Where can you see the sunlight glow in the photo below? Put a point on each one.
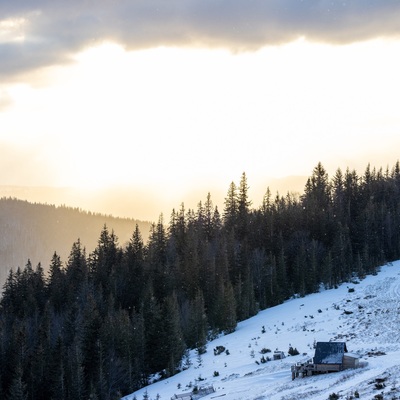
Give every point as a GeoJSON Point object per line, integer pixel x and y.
{"type": "Point", "coordinates": [169, 118]}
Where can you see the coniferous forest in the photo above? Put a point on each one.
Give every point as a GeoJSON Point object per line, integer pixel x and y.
{"type": "Point", "coordinates": [99, 325]}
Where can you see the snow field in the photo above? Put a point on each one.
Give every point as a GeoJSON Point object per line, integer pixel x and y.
{"type": "Point", "coordinates": [364, 314]}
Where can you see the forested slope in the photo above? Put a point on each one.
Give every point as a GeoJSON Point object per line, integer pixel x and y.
{"type": "Point", "coordinates": [101, 325]}
{"type": "Point", "coordinates": [35, 231]}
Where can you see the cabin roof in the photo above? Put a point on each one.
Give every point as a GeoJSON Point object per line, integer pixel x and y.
{"type": "Point", "coordinates": [329, 352]}
{"type": "Point", "coordinates": [352, 355]}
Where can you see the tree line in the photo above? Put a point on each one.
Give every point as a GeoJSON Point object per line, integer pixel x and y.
{"type": "Point", "coordinates": [100, 325]}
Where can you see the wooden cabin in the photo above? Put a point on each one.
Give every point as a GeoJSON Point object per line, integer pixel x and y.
{"type": "Point", "coordinates": [328, 357]}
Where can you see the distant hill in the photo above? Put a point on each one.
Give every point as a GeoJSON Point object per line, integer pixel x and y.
{"type": "Point", "coordinates": [35, 231]}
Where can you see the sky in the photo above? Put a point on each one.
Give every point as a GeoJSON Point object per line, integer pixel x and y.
{"type": "Point", "coordinates": [133, 107]}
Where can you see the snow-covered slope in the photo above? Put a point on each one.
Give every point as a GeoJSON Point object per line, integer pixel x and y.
{"type": "Point", "coordinates": [364, 314]}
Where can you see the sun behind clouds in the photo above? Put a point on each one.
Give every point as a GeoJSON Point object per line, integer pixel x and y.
{"type": "Point", "coordinates": [178, 120]}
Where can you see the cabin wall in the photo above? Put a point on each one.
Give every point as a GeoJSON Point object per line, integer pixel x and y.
{"type": "Point", "coordinates": [327, 367]}
{"type": "Point", "coordinates": [350, 362]}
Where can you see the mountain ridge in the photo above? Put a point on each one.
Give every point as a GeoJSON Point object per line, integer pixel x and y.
{"type": "Point", "coordinates": [35, 231]}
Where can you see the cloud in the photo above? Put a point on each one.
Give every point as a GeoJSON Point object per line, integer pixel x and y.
{"type": "Point", "coordinates": [5, 100]}
{"type": "Point", "coordinates": [49, 32]}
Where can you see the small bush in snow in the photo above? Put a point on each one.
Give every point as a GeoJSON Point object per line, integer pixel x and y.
{"type": "Point", "coordinates": [293, 351]}
{"type": "Point", "coordinates": [218, 350]}
{"type": "Point", "coordinates": [265, 350]}
{"type": "Point", "coordinates": [263, 329]}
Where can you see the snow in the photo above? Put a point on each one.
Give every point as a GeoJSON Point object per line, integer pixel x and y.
{"type": "Point", "coordinates": [332, 359]}
{"type": "Point", "coordinates": [367, 319]}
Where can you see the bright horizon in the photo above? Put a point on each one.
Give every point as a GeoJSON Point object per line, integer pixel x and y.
{"type": "Point", "coordinates": [167, 113]}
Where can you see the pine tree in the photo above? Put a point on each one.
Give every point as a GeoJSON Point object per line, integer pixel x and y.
{"type": "Point", "coordinates": [158, 268]}
{"type": "Point", "coordinates": [230, 214]}
{"type": "Point", "coordinates": [196, 336]}
{"type": "Point", "coordinates": [138, 371]}
{"type": "Point", "coordinates": [316, 203]}
{"type": "Point", "coordinates": [281, 277]}
{"type": "Point", "coordinates": [243, 208]}
{"type": "Point", "coordinates": [57, 386]}
{"type": "Point", "coordinates": [76, 272]}
{"type": "Point", "coordinates": [103, 260]}
{"type": "Point", "coordinates": [91, 343]}
{"type": "Point", "coordinates": [9, 297]}
{"type": "Point", "coordinates": [173, 345]}
{"type": "Point", "coordinates": [75, 373]}
{"type": "Point", "coordinates": [258, 266]}
{"type": "Point", "coordinates": [130, 281]}
{"type": "Point", "coordinates": [18, 387]}
{"type": "Point", "coordinates": [338, 196]}
{"type": "Point", "coordinates": [56, 283]}
{"type": "Point", "coordinates": [17, 354]}
{"type": "Point", "coordinates": [40, 358]}
{"type": "Point", "coordinates": [208, 223]}
{"type": "Point", "coordinates": [153, 328]}
{"type": "Point", "coordinates": [229, 319]}
{"type": "Point", "coordinates": [352, 206]}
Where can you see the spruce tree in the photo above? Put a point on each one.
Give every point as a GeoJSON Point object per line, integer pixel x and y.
{"type": "Point", "coordinates": [76, 272]}
{"type": "Point", "coordinates": [153, 328]}
{"type": "Point", "coordinates": [173, 345]}
{"type": "Point", "coordinates": [243, 208]}
{"type": "Point", "coordinates": [196, 336]}
{"type": "Point", "coordinates": [58, 385]}
{"type": "Point", "coordinates": [228, 310]}
{"type": "Point", "coordinates": [230, 214]}
{"type": "Point", "coordinates": [316, 203]}
{"type": "Point", "coordinates": [18, 387]}
{"type": "Point", "coordinates": [56, 283]}
{"type": "Point", "coordinates": [158, 268]}
{"type": "Point", "coordinates": [103, 260]}
{"type": "Point", "coordinates": [130, 281]}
